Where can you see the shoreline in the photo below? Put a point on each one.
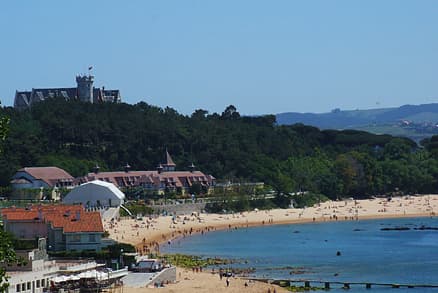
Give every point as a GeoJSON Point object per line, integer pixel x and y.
{"type": "Point", "coordinates": [171, 237]}
{"type": "Point", "coordinates": [147, 235]}
{"type": "Point", "coordinates": [162, 229]}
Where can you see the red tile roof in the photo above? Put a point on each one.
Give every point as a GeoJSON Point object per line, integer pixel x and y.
{"type": "Point", "coordinates": [137, 178]}
{"type": "Point", "coordinates": [50, 175]}
{"type": "Point", "coordinates": [60, 216]}
{"type": "Point", "coordinates": [31, 212]}
{"type": "Point", "coordinates": [87, 222]}
{"type": "Point", "coordinates": [20, 215]}
{"type": "Point", "coordinates": [118, 178]}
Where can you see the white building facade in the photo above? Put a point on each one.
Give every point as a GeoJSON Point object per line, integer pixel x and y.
{"type": "Point", "coordinates": [96, 193]}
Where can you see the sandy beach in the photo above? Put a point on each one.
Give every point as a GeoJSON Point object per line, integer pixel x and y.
{"type": "Point", "coordinates": [148, 233]}
{"type": "Point", "coordinates": [205, 282]}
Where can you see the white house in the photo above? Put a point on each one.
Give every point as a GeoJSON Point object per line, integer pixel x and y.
{"type": "Point", "coordinates": [38, 274]}
{"type": "Point", "coordinates": [95, 194]}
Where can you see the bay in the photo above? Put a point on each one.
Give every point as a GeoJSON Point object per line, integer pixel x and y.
{"type": "Point", "coordinates": [309, 251]}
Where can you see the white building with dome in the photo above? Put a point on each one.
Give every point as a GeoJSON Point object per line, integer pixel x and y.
{"type": "Point", "coordinates": [96, 193]}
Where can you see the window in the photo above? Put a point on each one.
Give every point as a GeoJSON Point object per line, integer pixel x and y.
{"type": "Point", "coordinates": [18, 288]}
{"type": "Point", "coordinates": [28, 286]}
{"type": "Point", "coordinates": [38, 284]}
{"type": "Point", "coordinates": [43, 283]}
{"type": "Point", "coordinates": [75, 238]}
{"type": "Point", "coordinates": [23, 287]}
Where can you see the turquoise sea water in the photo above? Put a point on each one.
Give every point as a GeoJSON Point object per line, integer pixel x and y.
{"type": "Point", "coordinates": [368, 254]}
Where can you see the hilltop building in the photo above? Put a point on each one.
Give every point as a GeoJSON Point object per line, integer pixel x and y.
{"type": "Point", "coordinates": [84, 91]}
{"type": "Point", "coordinates": [66, 227]}
{"type": "Point", "coordinates": [164, 178]}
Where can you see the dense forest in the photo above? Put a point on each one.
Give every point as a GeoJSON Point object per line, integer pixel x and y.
{"type": "Point", "coordinates": [75, 136]}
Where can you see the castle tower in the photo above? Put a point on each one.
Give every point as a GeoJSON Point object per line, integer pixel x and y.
{"type": "Point", "coordinates": [85, 87]}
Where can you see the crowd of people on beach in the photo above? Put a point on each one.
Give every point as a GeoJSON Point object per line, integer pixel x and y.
{"type": "Point", "coordinates": [150, 230]}
{"type": "Point", "coordinates": [147, 233]}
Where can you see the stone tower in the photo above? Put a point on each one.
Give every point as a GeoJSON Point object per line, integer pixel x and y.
{"type": "Point", "coordinates": [85, 87]}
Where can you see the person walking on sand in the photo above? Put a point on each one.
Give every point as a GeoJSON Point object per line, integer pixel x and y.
{"type": "Point", "coordinates": [228, 282]}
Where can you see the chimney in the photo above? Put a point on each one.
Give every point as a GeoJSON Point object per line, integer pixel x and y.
{"type": "Point", "coordinates": [127, 168]}
{"type": "Point", "coordinates": [159, 168]}
{"type": "Point", "coordinates": [96, 169]}
{"type": "Point", "coordinates": [192, 168]}
{"type": "Point", "coordinates": [78, 215]}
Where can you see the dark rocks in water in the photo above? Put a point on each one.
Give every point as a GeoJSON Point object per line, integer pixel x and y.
{"type": "Point", "coordinates": [293, 270]}
{"type": "Point", "coordinates": [396, 229]}
{"type": "Point", "coordinates": [299, 271]}
{"type": "Point", "coordinates": [243, 271]}
{"type": "Point", "coordinates": [426, 228]}
{"type": "Point", "coordinates": [338, 253]}
{"type": "Point", "coordinates": [296, 231]}
{"type": "Point", "coordinates": [285, 268]}
{"type": "Point", "coordinates": [356, 230]}
{"type": "Point", "coordinates": [405, 228]}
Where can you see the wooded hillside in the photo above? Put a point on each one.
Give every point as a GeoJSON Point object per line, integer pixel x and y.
{"type": "Point", "coordinates": [75, 136]}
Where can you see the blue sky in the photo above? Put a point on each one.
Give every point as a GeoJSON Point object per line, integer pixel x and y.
{"type": "Point", "coordinates": [262, 56]}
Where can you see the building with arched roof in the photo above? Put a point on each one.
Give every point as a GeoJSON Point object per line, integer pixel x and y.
{"type": "Point", "coordinates": [96, 193]}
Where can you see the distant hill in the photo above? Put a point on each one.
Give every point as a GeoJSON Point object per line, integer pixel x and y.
{"type": "Point", "coordinates": [414, 121]}
{"type": "Point", "coordinates": [354, 118]}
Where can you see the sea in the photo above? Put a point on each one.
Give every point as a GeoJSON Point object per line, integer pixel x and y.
{"type": "Point", "coordinates": [368, 251]}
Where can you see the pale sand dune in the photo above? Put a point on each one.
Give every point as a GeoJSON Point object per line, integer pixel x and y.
{"type": "Point", "coordinates": [147, 234]}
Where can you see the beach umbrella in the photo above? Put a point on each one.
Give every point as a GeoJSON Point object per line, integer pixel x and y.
{"type": "Point", "coordinates": [102, 276]}
{"type": "Point", "coordinates": [87, 274]}
{"type": "Point", "coordinates": [55, 279]}
{"type": "Point", "coordinates": [60, 279]}
{"type": "Point", "coordinates": [81, 275]}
